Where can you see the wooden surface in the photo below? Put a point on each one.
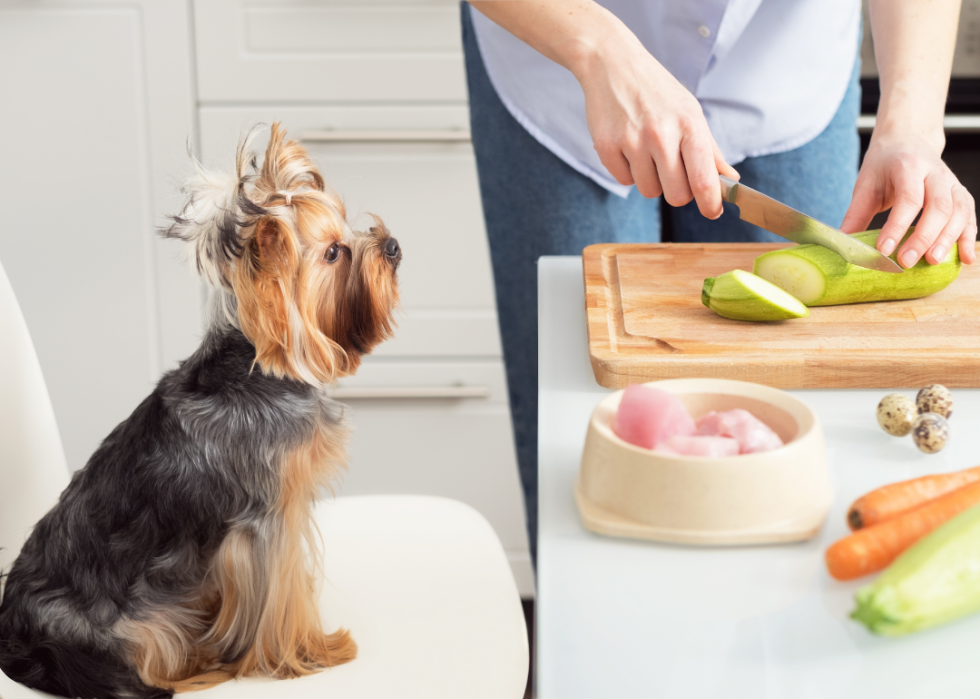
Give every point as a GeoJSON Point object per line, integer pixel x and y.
{"type": "Point", "coordinates": [646, 322]}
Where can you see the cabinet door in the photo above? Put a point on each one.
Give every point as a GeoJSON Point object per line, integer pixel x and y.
{"type": "Point", "coordinates": [96, 108]}
{"type": "Point", "coordinates": [414, 167]}
{"type": "Point", "coordinates": [438, 428]}
{"type": "Point", "coordinates": [329, 51]}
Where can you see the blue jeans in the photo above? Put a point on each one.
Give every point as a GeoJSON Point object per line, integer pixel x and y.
{"type": "Point", "coordinates": [534, 204]}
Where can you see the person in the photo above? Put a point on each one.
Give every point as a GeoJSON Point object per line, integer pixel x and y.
{"type": "Point", "coordinates": [583, 113]}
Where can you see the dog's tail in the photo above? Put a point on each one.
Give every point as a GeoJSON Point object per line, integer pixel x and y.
{"type": "Point", "coordinates": [67, 671]}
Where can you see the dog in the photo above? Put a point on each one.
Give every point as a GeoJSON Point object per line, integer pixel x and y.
{"type": "Point", "coordinates": [184, 553]}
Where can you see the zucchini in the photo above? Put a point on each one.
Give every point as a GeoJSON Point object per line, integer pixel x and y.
{"type": "Point", "coordinates": [741, 295]}
{"type": "Point", "coordinates": [818, 276]}
{"type": "Point", "coordinates": [936, 580]}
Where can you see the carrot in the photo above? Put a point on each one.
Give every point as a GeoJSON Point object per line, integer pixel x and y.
{"type": "Point", "coordinates": [891, 500]}
{"type": "Point", "coordinates": [872, 548]}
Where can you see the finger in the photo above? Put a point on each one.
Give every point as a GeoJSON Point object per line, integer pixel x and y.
{"type": "Point", "coordinates": [967, 245]}
{"type": "Point", "coordinates": [721, 165]}
{"type": "Point", "coordinates": [611, 156]}
{"type": "Point", "coordinates": [953, 228]}
{"type": "Point", "coordinates": [645, 174]}
{"type": "Point", "coordinates": [702, 176]}
{"type": "Point", "coordinates": [907, 204]}
{"type": "Point", "coordinates": [968, 240]}
{"type": "Point", "coordinates": [936, 212]}
{"type": "Point", "coordinates": [673, 175]}
{"type": "Point", "coordinates": [866, 201]}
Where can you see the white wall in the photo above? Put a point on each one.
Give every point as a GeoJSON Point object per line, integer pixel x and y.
{"type": "Point", "coordinates": [97, 104]}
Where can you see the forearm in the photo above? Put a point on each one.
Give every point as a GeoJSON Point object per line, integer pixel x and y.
{"type": "Point", "coordinates": [646, 128]}
{"type": "Point", "coordinates": [575, 34]}
{"type": "Point", "coordinates": [914, 51]}
{"type": "Point", "coordinates": [902, 169]}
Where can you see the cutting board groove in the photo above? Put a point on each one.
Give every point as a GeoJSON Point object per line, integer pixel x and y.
{"type": "Point", "coordinates": [646, 322]}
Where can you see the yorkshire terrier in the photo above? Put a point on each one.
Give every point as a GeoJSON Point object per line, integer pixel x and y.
{"type": "Point", "coordinates": [184, 553]}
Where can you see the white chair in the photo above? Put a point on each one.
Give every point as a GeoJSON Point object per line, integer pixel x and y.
{"type": "Point", "coordinates": [32, 463]}
{"type": "Point", "coordinates": [421, 582]}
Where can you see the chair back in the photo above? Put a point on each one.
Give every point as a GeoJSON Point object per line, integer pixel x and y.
{"type": "Point", "coordinates": [33, 471]}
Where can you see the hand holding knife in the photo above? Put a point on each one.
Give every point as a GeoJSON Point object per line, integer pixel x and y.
{"type": "Point", "coordinates": [789, 223]}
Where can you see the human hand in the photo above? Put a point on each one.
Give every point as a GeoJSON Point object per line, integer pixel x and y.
{"type": "Point", "coordinates": [906, 174]}
{"type": "Point", "coordinates": [646, 127]}
{"type": "Point", "coordinates": [650, 131]}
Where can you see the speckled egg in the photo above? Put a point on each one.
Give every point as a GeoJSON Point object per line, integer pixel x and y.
{"type": "Point", "coordinates": [930, 432]}
{"type": "Point", "coordinates": [896, 413]}
{"type": "Point", "coordinates": [935, 398]}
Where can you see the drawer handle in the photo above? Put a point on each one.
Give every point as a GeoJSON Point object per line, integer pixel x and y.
{"type": "Point", "coordinates": [387, 392]}
{"type": "Point", "coordinates": [952, 123]}
{"type": "Point", "coordinates": [390, 135]}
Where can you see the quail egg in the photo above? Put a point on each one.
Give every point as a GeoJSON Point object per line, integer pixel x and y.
{"type": "Point", "coordinates": [935, 398]}
{"type": "Point", "coordinates": [896, 413]}
{"type": "Point", "coordinates": [930, 432]}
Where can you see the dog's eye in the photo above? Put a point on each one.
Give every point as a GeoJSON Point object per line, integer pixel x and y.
{"type": "Point", "coordinates": [333, 253]}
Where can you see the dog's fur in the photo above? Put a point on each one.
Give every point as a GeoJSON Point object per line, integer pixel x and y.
{"type": "Point", "coordinates": [184, 553]}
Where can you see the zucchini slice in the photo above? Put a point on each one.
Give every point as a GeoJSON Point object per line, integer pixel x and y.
{"type": "Point", "coordinates": [741, 295]}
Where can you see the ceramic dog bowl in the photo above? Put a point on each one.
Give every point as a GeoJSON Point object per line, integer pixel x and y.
{"type": "Point", "coordinates": [775, 496]}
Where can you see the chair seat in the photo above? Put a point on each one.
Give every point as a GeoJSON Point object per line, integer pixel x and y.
{"type": "Point", "coordinates": [424, 587]}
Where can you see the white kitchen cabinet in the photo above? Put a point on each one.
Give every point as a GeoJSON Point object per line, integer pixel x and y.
{"type": "Point", "coordinates": [96, 105]}
{"type": "Point", "coordinates": [375, 90]}
{"type": "Point", "coordinates": [329, 51]}
{"type": "Point", "coordinates": [438, 428]}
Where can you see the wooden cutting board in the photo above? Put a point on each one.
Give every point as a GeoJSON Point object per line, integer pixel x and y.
{"type": "Point", "coordinates": [646, 322]}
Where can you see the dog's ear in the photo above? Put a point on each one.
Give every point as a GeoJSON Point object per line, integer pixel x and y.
{"type": "Point", "coordinates": [262, 285]}
{"type": "Point", "coordinates": [216, 214]}
{"type": "Point", "coordinates": [276, 316]}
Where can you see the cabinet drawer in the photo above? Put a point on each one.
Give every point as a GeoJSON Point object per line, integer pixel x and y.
{"type": "Point", "coordinates": [438, 443]}
{"type": "Point", "coordinates": [414, 167]}
{"type": "Point", "coordinates": [329, 51]}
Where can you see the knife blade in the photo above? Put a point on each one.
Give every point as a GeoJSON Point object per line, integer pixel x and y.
{"type": "Point", "coordinates": [789, 223]}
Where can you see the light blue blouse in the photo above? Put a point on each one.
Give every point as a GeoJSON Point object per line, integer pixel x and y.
{"type": "Point", "coordinates": [769, 74]}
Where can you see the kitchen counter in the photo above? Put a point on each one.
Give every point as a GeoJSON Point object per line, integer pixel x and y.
{"type": "Point", "coordinates": [619, 618]}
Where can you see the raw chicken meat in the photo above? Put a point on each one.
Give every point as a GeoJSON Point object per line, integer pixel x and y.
{"type": "Point", "coordinates": [655, 419]}
{"type": "Point", "coordinates": [752, 434]}
{"type": "Point", "coordinates": [698, 445]}
{"type": "Point", "coordinates": [648, 415]}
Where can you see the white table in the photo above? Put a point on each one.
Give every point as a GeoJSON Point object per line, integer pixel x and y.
{"type": "Point", "coordinates": [623, 619]}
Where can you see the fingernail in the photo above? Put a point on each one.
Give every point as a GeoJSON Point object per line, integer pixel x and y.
{"type": "Point", "coordinates": [909, 258]}
{"type": "Point", "coordinates": [939, 252]}
{"type": "Point", "coordinates": [888, 247]}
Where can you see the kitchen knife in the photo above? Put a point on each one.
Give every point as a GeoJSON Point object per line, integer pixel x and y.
{"type": "Point", "coordinates": [780, 219]}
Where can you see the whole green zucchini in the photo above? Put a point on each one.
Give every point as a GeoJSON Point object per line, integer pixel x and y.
{"type": "Point", "coordinates": [818, 276]}
{"type": "Point", "coordinates": [936, 580]}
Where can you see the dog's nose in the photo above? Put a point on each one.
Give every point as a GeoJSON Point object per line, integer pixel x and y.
{"type": "Point", "coordinates": [391, 248]}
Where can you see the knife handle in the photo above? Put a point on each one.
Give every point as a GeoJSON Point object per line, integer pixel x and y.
{"type": "Point", "coordinates": [728, 188]}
